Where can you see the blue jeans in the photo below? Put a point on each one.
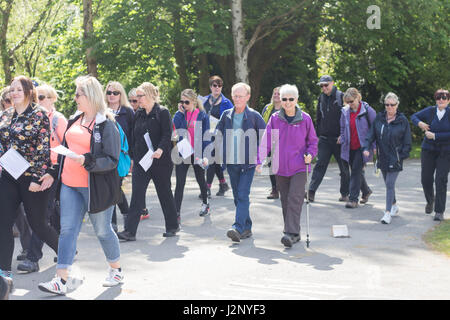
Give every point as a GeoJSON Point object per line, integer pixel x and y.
{"type": "Point", "coordinates": [74, 204]}
{"type": "Point", "coordinates": [241, 182]}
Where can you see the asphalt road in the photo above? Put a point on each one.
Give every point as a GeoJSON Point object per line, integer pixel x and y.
{"type": "Point", "coordinates": [377, 261]}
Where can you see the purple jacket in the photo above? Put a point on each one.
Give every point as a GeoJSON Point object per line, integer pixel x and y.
{"type": "Point", "coordinates": [295, 139]}
{"type": "Point", "coordinates": [363, 120]}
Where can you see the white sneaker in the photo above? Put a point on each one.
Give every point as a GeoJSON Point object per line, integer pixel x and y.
{"type": "Point", "coordinates": [114, 278]}
{"type": "Point", "coordinates": [394, 210]}
{"type": "Point", "coordinates": [54, 286]}
{"type": "Point", "coordinates": [386, 218]}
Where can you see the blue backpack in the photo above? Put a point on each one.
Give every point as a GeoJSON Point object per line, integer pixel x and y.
{"type": "Point", "coordinates": [124, 159]}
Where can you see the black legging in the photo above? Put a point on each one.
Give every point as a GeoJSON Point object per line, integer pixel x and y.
{"type": "Point", "coordinates": [123, 204]}
{"type": "Point", "coordinates": [181, 173]}
{"type": "Point", "coordinates": [12, 193]}
{"type": "Point", "coordinates": [214, 169]}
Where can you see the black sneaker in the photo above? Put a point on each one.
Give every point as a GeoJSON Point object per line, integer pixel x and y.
{"type": "Point", "coordinates": [429, 207]}
{"type": "Point", "coordinates": [204, 211]}
{"type": "Point", "coordinates": [28, 266]}
{"type": "Point", "coordinates": [438, 217]}
{"type": "Point", "coordinates": [171, 233]}
{"type": "Point", "coordinates": [223, 187]}
{"type": "Point", "coordinates": [126, 236]}
{"type": "Point", "coordinates": [246, 234]}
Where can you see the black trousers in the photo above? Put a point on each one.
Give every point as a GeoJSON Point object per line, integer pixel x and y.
{"type": "Point", "coordinates": [35, 247]}
{"type": "Point", "coordinates": [214, 169]}
{"type": "Point", "coordinates": [357, 177]}
{"type": "Point", "coordinates": [181, 173]}
{"type": "Point", "coordinates": [123, 204]}
{"type": "Point", "coordinates": [23, 228]}
{"type": "Point", "coordinates": [140, 179]}
{"type": "Point", "coordinates": [435, 168]}
{"type": "Point", "coordinates": [12, 193]}
{"type": "Point", "coordinates": [328, 147]}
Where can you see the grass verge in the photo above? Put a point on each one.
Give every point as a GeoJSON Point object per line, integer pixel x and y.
{"type": "Point", "coordinates": [438, 238]}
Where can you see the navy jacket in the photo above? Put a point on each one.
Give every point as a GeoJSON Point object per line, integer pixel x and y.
{"type": "Point", "coordinates": [441, 128]}
{"type": "Point", "coordinates": [252, 120]}
{"type": "Point", "coordinates": [393, 141]}
{"type": "Point", "coordinates": [125, 119]}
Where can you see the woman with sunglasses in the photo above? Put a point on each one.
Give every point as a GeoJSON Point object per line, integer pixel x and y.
{"type": "Point", "coordinates": [25, 128]}
{"type": "Point", "coordinates": [267, 112]}
{"type": "Point", "coordinates": [216, 103]}
{"type": "Point", "coordinates": [435, 155]}
{"type": "Point", "coordinates": [89, 182]}
{"type": "Point", "coordinates": [47, 97]}
{"type": "Point", "coordinates": [392, 135]}
{"type": "Point", "coordinates": [191, 122]}
{"type": "Point", "coordinates": [116, 99]}
{"type": "Point", "coordinates": [152, 132]}
{"type": "Point", "coordinates": [356, 119]}
{"type": "Point", "coordinates": [292, 156]}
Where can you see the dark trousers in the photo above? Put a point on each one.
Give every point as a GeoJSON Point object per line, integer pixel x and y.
{"type": "Point", "coordinates": [35, 247]}
{"type": "Point", "coordinates": [12, 193]}
{"type": "Point", "coordinates": [357, 177]}
{"type": "Point", "coordinates": [139, 183]}
{"type": "Point", "coordinates": [328, 147]}
{"type": "Point", "coordinates": [292, 195]}
{"type": "Point", "coordinates": [181, 173]}
{"type": "Point", "coordinates": [435, 168]}
{"type": "Point", "coordinates": [123, 204]}
{"type": "Point", "coordinates": [214, 169]}
{"type": "Point", "coordinates": [23, 228]}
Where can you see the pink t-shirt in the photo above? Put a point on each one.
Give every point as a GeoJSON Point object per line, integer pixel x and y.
{"type": "Point", "coordinates": [191, 118]}
{"type": "Point", "coordinates": [60, 129]}
{"type": "Point", "coordinates": [78, 140]}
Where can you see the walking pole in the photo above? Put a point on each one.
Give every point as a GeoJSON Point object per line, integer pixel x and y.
{"type": "Point", "coordinates": [307, 205]}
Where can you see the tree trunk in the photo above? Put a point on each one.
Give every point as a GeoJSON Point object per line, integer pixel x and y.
{"type": "Point", "coordinates": [88, 35]}
{"type": "Point", "coordinates": [7, 61]}
{"type": "Point", "coordinates": [203, 81]}
{"type": "Point", "coordinates": [240, 49]}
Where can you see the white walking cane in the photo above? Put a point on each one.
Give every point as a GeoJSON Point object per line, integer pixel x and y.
{"type": "Point", "coordinates": [307, 204]}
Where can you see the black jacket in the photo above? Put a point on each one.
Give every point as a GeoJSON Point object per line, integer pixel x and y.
{"type": "Point", "coordinates": [158, 123]}
{"type": "Point", "coordinates": [101, 163]}
{"type": "Point", "coordinates": [125, 118]}
{"type": "Point", "coordinates": [393, 141]}
{"type": "Point", "coordinates": [329, 113]}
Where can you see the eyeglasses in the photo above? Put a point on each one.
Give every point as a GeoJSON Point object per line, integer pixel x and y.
{"type": "Point", "coordinates": [441, 96]}
{"type": "Point", "coordinates": [286, 99]}
{"type": "Point", "coordinates": [217, 85]}
{"type": "Point", "coordinates": [116, 93]}
{"type": "Point", "coordinates": [324, 85]}
{"type": "Point", "coordinates": [42, 97]}
{"type": "Point", "coordinates": [390, 104]}
{"type": "Point", "coordinates": [350, 102]}
{"type": "Point", "coordinates": [140, 96]}
{"type": "Point", "coordinates": [133, 101]}
{"type": "Point", "coordinates": [77, 95]}
{"type": "Point", "coordinates": [186, 102]}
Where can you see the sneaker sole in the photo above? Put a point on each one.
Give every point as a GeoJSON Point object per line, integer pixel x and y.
{"type": "Point", "coordinates": [204, 214]}
{"type": "Point", "coordinates": [42, 288]}
{"type": "Point", "coordinates": [233, 236]}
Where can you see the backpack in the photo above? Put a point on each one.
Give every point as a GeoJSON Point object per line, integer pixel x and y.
{"type": "Point", "coordinates": [124, 159]}
{"type": "Point", "coordinates": [54, 125]}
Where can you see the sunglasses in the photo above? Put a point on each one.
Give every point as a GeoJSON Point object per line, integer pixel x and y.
{"type": "Point", "coordinates": [116, 93]}
{"type": "Point", "coordinates": [286, 99]}
{"type": "Point", "coordinates": [140, 96]}
{"type": "Point", "coordinates": [350, 102]}
{"type": "Point", "coordinates": [390, 104]}
{"type": "Point", "coordinates": [324, 85]}
{"type": "Point", "coordinates": [133, 101]}
{"type": "Point", "coordinates": [217, 85]}
{"type": "Point", "coordinates": [441, 96]}
{"type": "Point", "coordinates": [77, 95]}
{"type": "Point", "coordinates": [42, 97]}
{"type": "Point", "coordinates": [186, 102]}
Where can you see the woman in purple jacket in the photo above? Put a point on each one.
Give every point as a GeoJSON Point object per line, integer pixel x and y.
{"type": "Point", "coordinates": [356, 118]}
{"type": "Point", "coordinates": [292, 140]}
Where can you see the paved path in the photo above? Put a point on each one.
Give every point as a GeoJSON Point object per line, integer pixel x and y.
{"type": "Point", "coordinates": [377, 261]}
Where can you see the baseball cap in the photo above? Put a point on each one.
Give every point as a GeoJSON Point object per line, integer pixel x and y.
{"type": "Point", "coordinates": [325, 79]}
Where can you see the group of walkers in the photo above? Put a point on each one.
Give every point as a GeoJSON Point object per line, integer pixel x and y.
{"type": "Point", "coordinates": [57, 187]}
